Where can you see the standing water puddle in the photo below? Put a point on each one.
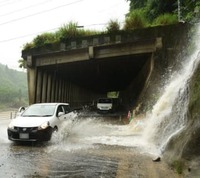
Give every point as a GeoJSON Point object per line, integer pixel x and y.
{"type": "Point", "coordinates": [82, 133]}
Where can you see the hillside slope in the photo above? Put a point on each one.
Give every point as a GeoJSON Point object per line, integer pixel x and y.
{"type": "Point", "coordinates": [13, 87]}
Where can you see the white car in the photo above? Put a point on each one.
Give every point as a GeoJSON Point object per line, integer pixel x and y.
{"type": "Point", "coordinates": [38, 122]}
{"type": "Point", "coordinates": [105, 104]}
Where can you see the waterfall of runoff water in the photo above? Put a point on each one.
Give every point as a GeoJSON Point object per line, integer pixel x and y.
{"type": "Point", "coordinates": [169, 115]}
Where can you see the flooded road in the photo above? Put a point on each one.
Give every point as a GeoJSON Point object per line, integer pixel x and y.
{"type": "Point", "coordinates": [100, 147]}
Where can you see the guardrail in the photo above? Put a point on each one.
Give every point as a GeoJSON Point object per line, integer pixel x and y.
{"type": "Point", "coordinates": [8, 114]}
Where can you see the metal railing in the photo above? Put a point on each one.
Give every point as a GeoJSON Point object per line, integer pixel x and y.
{"type": "Point", "coordinates": [8, 114]}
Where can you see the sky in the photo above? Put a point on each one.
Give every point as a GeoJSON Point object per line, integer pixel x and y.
{"type": "Point", "coordinates": [22, 20]}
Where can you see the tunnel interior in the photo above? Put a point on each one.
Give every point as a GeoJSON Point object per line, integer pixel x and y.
{"type": "Point", "coordinates": [101, 75]}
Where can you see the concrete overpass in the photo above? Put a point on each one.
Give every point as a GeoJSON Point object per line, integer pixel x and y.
{"type": "Point", "coordinates": [81, 70]}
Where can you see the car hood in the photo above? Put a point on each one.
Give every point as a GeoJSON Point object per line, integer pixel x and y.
{"type": "Point", "coordinates": [29, 121]}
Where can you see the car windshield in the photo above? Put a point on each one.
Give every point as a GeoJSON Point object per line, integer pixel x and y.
{"type": "Point", "coordinates": [105, 100]}
{"type": "Point", "coordinates": [39, 110]}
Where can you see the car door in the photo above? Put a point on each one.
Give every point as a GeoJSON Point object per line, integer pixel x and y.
{"type": "Point", "coordinates": [68, 111]}
{"type": "Point", "coordinates": [61, 112]}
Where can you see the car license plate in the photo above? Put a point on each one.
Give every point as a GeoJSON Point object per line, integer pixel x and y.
{"type": "Point", "coordinates": [24, 136]}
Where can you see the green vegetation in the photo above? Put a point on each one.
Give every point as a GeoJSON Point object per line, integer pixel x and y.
{"type": "Point", "coordinates": [64, 33]}
{"type": "Point", "coordinates": [165, 19]}
{"type": "Point", "coordinates": [185, 10]}
{"type": "Point", "coordinates": [178, 166]}
{"type": "Point", "coordinates": [13, 88]}
{"type": "Point", "coordinates": [113, 94]}
{"type": "Point", "coordinates": [113, 26]}
{"type": "Point", "coordinates": [136, 19]}
{"type": "Point", "coordinates": [194, 103]}
{"type": "Point", "coordinates": [142, 13]}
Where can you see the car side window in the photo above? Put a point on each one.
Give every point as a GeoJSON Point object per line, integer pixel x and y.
{"type": "Point", "coordinates": [60, 109]}
{"type": "Point", "coordinates": [66, 108]}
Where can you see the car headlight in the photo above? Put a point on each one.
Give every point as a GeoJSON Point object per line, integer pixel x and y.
{"type": "Point", "coordinates": [11, 126]}
{"type": "Point", "coordinates": [44, 125]}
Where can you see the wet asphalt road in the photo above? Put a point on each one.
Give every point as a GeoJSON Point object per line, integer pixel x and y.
{"type": "Point", "coordinates": [89, 147]}
{"type": "Point", "coordinates": [66, 155]}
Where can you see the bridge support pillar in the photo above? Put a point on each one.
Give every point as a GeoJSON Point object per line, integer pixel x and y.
{"type": "Point", "coordinates": [31, 77]}
{"type": "Point", "coordinates": [38, 86]}
{"type": "Point", "coordinates": [49, 83]}
{"type": "Point", "coordinates": [44, 87]}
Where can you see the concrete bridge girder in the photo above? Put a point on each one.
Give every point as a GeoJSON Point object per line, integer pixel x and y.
{"type": "Point", "coordinates": [98, 52]}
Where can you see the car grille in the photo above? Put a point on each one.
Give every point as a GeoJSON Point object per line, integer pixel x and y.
{"type": "Point", "coordinates": [26, 129]}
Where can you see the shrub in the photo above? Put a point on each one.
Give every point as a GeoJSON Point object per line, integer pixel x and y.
{"type": "Point", "coordinates": [43, 39]}
{"type": "Point", "coordinates": [68, 31]}
{"type": "Point", "coordinates": [72, 30]}
{"type": "Point", "coordinates": [90, 32]}
{"type": "Point", "coordinates": [28, 45]}
{"type": "Point", "coordinates": [64, 33]}
{"type": "Point", "coordinates": [178, 165]}
{"type": "Point", "coordinates": [166, 19]}
{"type": "Point", "coordinates": [136, 19]}
{"type": "Point", "coordinates": [113, 26]}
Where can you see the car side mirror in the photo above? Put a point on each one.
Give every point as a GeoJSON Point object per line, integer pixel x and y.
{"type": "Point", "coordinates": [20, 111]}
{"type": "Point", "coordinates": [60, 114]}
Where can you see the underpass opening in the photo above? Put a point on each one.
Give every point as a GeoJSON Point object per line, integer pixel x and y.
{"type": "Point", "coordinates": [113, 74]}
{"type": "Point", "coordinates": [125, 74]}
{"type": "Point", "coordinates": [81, 74]}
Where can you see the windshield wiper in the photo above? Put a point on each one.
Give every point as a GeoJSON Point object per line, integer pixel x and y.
{"type": "Point", "coordinates": [31, 115]}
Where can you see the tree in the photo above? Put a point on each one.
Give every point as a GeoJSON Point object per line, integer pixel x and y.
{"type": "Point", "coordinates": [159, 7]}
{"type": "Point", "coordinates": [189, 10]}
{"type": "Point", "coordinates": [137, 4]}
